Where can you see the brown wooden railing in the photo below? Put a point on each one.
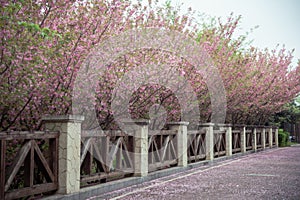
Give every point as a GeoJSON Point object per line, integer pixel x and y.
{"type": "Point", "coordinates": [259, 138]}
{"type": "Point", "coordinates": [196, 145]}
{"type": "Point", "coordinates": [29, 163]}
{"type": "Point", "coordinates": [236, 141]}
{"type": "Point", "coordinates": [219, 143]}
{"type": "Point", "coordinates": [249, 136]}
{"type": "Point", "coordinates": [105, 156]}
{"type": "Point", "coordinates": [162, 149]}
{"type": "Point", "coordinates": [267, 138]}
{"type": "Point", "coordinates": [273, 135]}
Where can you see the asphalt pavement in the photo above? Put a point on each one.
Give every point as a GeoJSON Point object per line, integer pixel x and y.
{"type": "Point", "coordinates": [272, 174]}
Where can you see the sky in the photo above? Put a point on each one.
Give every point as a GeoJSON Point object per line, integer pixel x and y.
{"type": "Point", "coordinates": [278, 20]}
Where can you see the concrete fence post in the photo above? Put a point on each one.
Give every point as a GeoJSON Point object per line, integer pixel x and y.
{"type": "Point", "coordinates": [276, 137]}
{"type": "Point", "coordinates": [181, 141]}
{"type": "Point", "coordinates": [270, 137]}
{"type": "Point", "coordinates": [69, 127]}
{"type": "Point", "coordinates": [140, 145]}
{"type": "Point", "coordinates": [254, 142]}
{"type": "Point", "coordinates": [228, 137]}
{"type": "Point", "coordinates": [243, 139]}
{"type": "Point", "coordinates": [209, 139]}
{"type": "Point", "coordinates": [228, 140]}
{"type": "Point", "coordinates": [263, 138]}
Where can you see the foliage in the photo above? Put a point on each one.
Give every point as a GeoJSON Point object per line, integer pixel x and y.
{"type": "Point", "coordinates": [258, 83]}
{"type": "Point", "coordinates": [43, 47]}
{"type": "Point", "coordinates": [283, 138]}
{"type": "Point", "coordinates": [290, 114]}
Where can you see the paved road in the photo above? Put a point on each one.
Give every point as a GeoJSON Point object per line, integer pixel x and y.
{"type": "Point", "coordinates": [273, 174]}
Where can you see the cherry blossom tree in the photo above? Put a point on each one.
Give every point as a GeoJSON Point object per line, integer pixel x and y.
{"type": "Point", "coordinates": [44, 44]}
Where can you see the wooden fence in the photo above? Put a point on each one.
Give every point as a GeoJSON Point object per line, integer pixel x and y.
{"type": "Point", "coordinates": [39, 163]}
{"type": "Point", "coordinates": [105, 156]}
{"type": "Point", "coordinates": [219, 143]}
{"type": "Point", "coordinates": [29, 162]}
{"type": "Point", "coordinates": [259, 138]}
{"type": "Point", "coordinates": [162, 152]}
{"type": "Point", "coordinates": [236, 141]}
{"type": "Point", "coordinates": [196, 149]}
{"type": "Point", "coordinates": [249, 141]}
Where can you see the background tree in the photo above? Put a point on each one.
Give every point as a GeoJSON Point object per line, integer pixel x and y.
{"type": "Point", "coordinates": [43, 47]}
{"type": "Point", "coordinates": [290, 114]}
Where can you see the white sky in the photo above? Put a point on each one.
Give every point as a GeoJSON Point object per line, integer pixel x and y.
{"type": "Point", "coordinates": [278, 20]}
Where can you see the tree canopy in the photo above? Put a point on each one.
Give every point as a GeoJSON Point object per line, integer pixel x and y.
{"type": "Point", "coordinates": [44, 44]}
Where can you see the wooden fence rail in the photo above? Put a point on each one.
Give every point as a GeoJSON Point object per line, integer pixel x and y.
{"type": "Point", "coordinates": [259, 138]}
{"type": "Point", "coordinates": [196, 146]}
{"type": "Point", "coordinates": [105, 156]}
{"type": "Point", "coordinates": [29, 162]}
{"type": "Point", "coordinates": [267, 142]}
{"type": "Point", "coordinates": [219, 143]}
{"type": "Point", "coordinates": [236, 141]}
{"type": "Point", "coordinates": [249, 136]}
{"type": "Point", "coordinates": [68, 158]}
{"type": "Point", "coordinates": [273, 136]}
{"type": "Point", "coordinates": [162, 151]}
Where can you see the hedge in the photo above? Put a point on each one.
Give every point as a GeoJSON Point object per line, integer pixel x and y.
{"type": "Point", "coordinates": [283, 138]}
